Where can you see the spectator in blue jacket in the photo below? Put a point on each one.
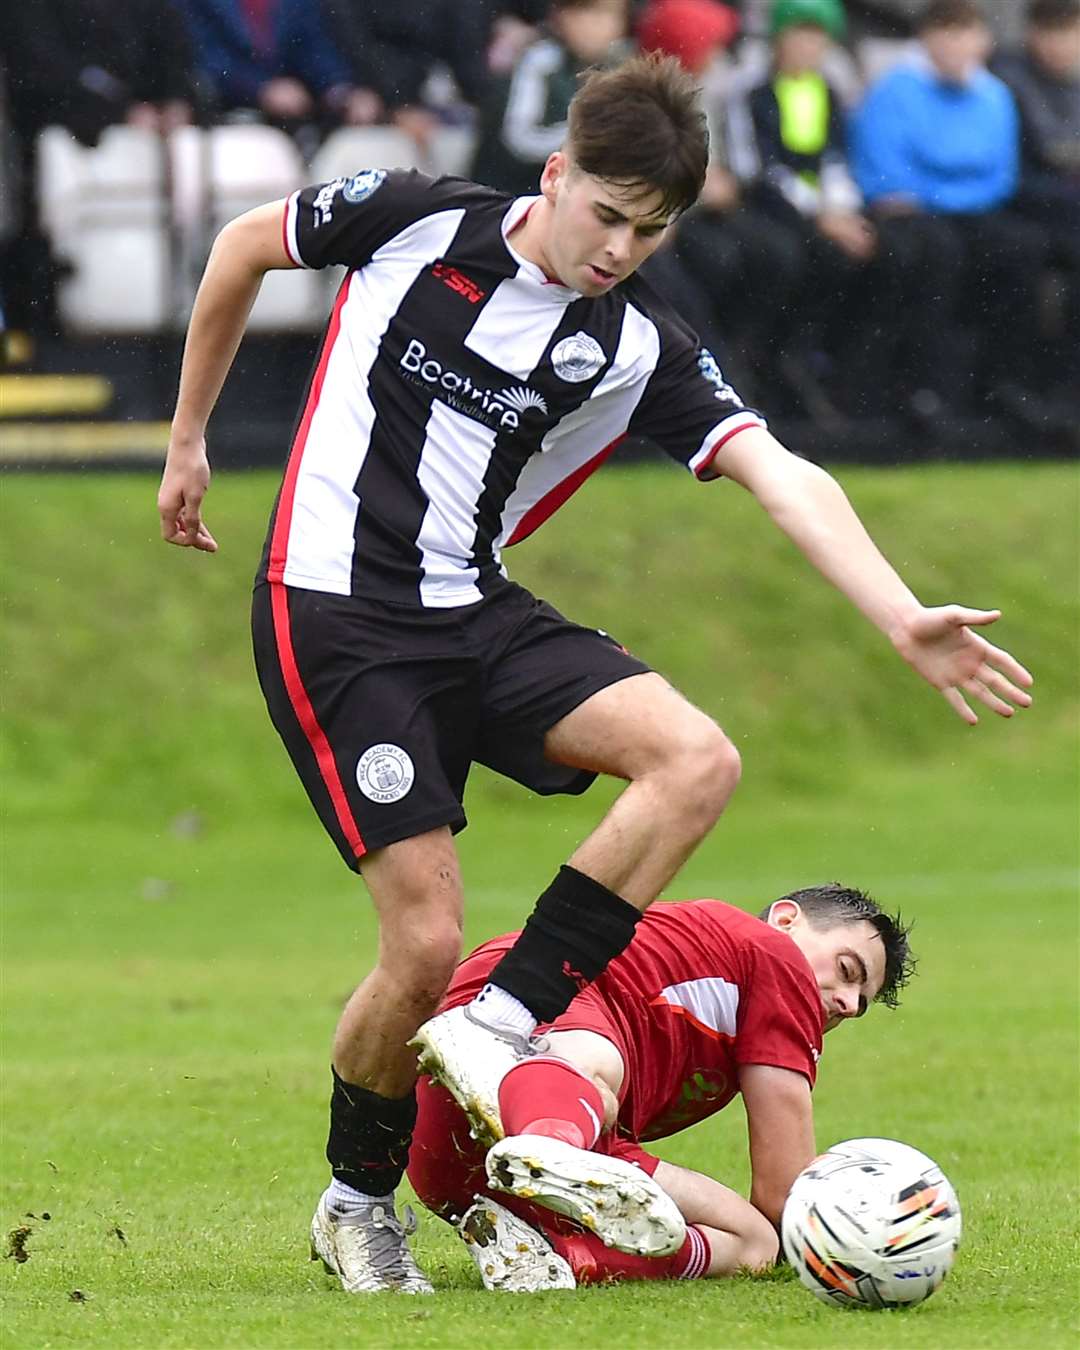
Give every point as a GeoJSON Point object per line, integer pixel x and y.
{"type": "Point", "coordinates": [936, 154]}
{"type": "Point", "coordinates": [275, 56]}
{"type": "Point", "coordinates": [1045, 80]}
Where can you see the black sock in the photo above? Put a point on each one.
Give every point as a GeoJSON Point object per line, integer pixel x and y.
{"type": "Point", "coordinates": [369, 1138]}
{"type": "Point", "coordinates": [577, 927]}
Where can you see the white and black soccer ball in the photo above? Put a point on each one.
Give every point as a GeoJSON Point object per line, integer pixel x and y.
{"type": "Point", "coordinates": [872, 1223]}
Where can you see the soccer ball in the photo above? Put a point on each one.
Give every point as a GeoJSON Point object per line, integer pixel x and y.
{"type": "Point", "coordinates": [871, 1223]}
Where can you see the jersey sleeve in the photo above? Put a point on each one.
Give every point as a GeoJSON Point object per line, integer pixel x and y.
{"type": "Point", "coordinates": [780, 1020]}
{"type": "Point", "coordinates": [688, 408]}
{"type": "Point", "coordinates": [347, 219]}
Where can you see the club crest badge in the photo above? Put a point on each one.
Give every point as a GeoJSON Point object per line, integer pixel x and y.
{"type": "Point", "coordinates": [577, 358]}
{"type": "Point", "coordinates": [384, 773]}
{"type": "Point", "coordinates": [361, 185]}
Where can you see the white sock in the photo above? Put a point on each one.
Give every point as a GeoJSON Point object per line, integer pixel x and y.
{"type": "Point", "coordinates": [499, 1009]}
{"type": "Point", "coordinates": [344, 1202]}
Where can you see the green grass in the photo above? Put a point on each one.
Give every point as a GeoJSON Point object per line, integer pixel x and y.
{"type": "Point", "coordinates": [178, 935]}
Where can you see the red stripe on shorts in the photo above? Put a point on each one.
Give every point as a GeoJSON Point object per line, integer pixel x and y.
{"type": "Point", "coordinates": [309, 723]}
{"type": "Point", "coordinates": [279, 543]}
{"type": "Point", "coordinates": [535, 516]}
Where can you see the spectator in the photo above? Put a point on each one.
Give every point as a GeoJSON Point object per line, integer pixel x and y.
{"type": "Point", "coordinates": [936, 153]}
{"type": "Point", "coordinates": [85, 65]}
{"type": "Point", "coordinates": [1045, 81]}
{"type": "Point", "coordinates": [513, 27]}
{"type": "Point", "coordinates": [698, 33]}
{"type": "Point", "coordinates": [802, 241]}
{"type": "Point", "coordinates": [695, 31]}
{"type": "Point", "coordinates": [275, 56]}
{"type": "Point", "coordinates": [393, 49]}
{"type": "Point", "coordinates": [523, 120]}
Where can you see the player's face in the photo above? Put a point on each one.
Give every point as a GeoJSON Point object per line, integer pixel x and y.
{"type": "Point", "coordinates": [598, 233]}
{"type": "Point", "coordinates": [848, 961]}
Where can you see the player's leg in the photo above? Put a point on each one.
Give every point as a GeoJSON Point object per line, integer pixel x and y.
{"type": "Point", "coordinates": [724, 1233]}
{"type": "Point", "coordinates": [415, 885]}
{"type": "Point", "coordinates": [416, 888]}
{"type": "Point", "coordinates": [522, 1250]}
{"type": "Point", "coordinates": [570, 1091]}
{"type": "Point", "coordinates": [682, 770]}
{"type": "Point", "coordinates": [380, 744]}
{"type": "Point", "coordinates": [555, 1153]}
{"type": "Point", "coordinates": [564, 703]}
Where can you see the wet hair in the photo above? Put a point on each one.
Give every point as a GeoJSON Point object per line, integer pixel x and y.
{"type": "Point", "coordinates": [1053, 13]}
{"type": "Point", "coordinates": [833, 905]}
{"type": "Point", "coordinates": [641, 126]}
{"type": "Point", "coordinates": [951, 14]}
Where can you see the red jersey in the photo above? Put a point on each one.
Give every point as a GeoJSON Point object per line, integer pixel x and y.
{"type": "Point", "coordinates": [702, 989]}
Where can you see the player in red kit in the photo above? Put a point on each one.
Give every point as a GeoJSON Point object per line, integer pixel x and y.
{"type": "Point", "coordinates": [707, 1002]}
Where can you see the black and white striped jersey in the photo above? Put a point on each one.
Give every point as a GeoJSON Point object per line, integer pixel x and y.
{"type": "Point", "coordinates": [460, 397]}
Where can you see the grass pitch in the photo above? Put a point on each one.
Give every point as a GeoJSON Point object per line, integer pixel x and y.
{"type": "Point", "coordinates": [179, 937]}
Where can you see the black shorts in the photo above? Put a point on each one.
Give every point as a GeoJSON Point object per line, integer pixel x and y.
{"type": "Point", "coordinates": [383, 708]}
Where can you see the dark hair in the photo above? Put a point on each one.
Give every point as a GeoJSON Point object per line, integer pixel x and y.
{"type": "Point", "coordinates": [641, 125]}
{"type": "Point", "coordinates": [951, 14]}
{"type": "Point", "coordinates": [1053, 13]}
{"type": "Point", "coordinates": [833, 905]}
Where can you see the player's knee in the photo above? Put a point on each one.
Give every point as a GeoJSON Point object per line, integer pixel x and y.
{"type": "Point", "coordinates": [422, 956]}
{"type": "Point", "coordinates": [706, 773]}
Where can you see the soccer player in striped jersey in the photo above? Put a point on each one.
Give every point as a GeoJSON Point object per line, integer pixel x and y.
{"type": "Point", "coordinates": [484, 356]}
{"type": "Point", "coordinates": [706, 1003]}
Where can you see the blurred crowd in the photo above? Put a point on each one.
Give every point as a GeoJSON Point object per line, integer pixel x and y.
{"type": "Point", "coordinates": [892, 216]}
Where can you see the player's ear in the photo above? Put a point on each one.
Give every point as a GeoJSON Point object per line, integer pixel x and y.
{"type": "Point", "coordinates": [784, 914]}
{"type": "Point", "coordinates": [553, 173]}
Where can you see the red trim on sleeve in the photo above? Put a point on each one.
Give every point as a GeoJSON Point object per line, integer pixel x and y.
{"type": "Point", "coordinates": [705, 463]}
{"type": "Point", "coordinates": [561, 492]}
{"type": "Point", "coordinates": [279, 543]}
{"type": "Point", "coordinates": [285, 232]}
{"type": "Point", "coordinates": [309, 723]}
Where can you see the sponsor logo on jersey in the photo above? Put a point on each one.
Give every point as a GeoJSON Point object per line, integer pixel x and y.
{"type": "Point", "coordinates": [384, 773]}
{"type": "Point", "coordinates": [323, 205]}
{"type": "Point", "coordinates": [353, 190]}
{"type": "Point", "coordinates": [577, 358]}
{"type": "Point", "coordinates": [710, 369]}
{"type": "Point", "coordinates": [458, 282]}
{"type": "Point", "coordinates": [694, 1097]}
{"type": "Point", "coordinates": [361, 185]}
{"type": "Point", "coordinates": [501, 408]}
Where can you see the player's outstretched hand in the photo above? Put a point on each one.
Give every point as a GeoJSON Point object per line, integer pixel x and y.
{"type": "Point", "coordinates": [940, 645]}
{"type": "Point", "coordinates": [183, 487]}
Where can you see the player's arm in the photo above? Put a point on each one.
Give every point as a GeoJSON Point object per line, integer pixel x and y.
{"type": "Point", "coordinates": [812, 510]}
{"type": "Point", "coordinates": [245, 250]}
{"type": "Point", "coordinates": [740, 1238]}
{"type": "Point", "coordinates": [780, 1122]}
